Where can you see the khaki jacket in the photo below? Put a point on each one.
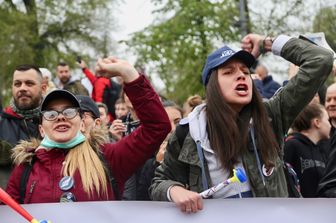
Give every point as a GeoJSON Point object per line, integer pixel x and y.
{"type": "Point", "coordinates": [182, 166]}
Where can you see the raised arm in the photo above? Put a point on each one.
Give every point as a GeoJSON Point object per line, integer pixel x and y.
{"type": "Point", "coordinates": [92, 78]}
{"type": "Point", "coordinates": [315, 64]}
{"type": "Point", "coordinates": [132, 151]}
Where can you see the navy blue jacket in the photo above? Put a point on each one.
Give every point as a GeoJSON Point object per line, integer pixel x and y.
{"type": "Point", "coordinates": [269, 87]}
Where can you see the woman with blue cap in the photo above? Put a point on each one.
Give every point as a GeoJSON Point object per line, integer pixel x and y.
{"type": "Point", "coordinates": [235, 129]}
{"type": "Point", "coordinates": [72, 163]}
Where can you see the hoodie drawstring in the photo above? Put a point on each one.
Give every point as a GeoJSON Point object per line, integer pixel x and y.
{"type": "Point", "coordinates": [256, 154]}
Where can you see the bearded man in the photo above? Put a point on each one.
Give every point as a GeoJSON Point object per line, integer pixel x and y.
{"type": "Point", "coordinates": [19, 121]}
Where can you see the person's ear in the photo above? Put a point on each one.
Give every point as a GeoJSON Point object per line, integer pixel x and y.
{"type": "Point", "coordinates": [44, 89]}
{"type": "Point", "coordinates": [98, 122]}
{"type": "Point", "coordinates": [41, 131]}
{"type": "Point", "coordinates": [316, 123]}
{"type": "Point", "coordinates": [82, 126]}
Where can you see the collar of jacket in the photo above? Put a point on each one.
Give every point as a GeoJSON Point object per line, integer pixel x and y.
{"type": "Point", "coordinates": [59, 84]}
{"type": "Point", "coordinates": [302, 138]}
{"type": "Point", "coordinates": [197, 133]}
{"type": "Point", "coordinates": [189, 153]}
{"type": "Point", "coordinates": [23, 152]}
{"type": "Point", "coordinates": [197, 127]}
{"type": "Point", "coordinates": [267, 79]}
{"type": "Point", "coordinates": [10, 113]}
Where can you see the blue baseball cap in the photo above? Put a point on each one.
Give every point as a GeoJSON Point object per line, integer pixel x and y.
{"type": "Point", "coordinates": [222, 55]}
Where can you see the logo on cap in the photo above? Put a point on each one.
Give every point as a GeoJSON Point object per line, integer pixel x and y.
{"type": "Point", "coordinates": [227, 53]}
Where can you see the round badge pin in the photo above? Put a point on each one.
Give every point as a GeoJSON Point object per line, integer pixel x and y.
{"type": "Point", "coordinates": [66, 183]}
{"type": "Point", "coordinates": [67, 197]}
{"type": "Point", "coordinates": [267, 172]}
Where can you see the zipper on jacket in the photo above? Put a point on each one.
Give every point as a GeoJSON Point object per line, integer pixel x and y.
{"type": "Point", "coordinates": [31, 189]}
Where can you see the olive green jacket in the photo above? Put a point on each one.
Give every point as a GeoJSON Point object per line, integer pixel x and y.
{"type": "Point", "coordinates": [182, 166]}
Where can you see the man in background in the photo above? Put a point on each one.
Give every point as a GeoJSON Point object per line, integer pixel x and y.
{"type": "Point", "coordinates": [269, 86]}
{"type": "Point", "coordinates": [65, 81]}
{"type": "Point", "coordinates": [19, 121]}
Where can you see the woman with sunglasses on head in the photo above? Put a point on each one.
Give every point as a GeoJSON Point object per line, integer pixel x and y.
{"type": "Point", "coordinates": [67, 166]}
{"type": "Point", "coordinates": [235, 129]}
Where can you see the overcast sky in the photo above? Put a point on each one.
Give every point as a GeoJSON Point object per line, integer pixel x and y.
{"type": "Point", "coordinates": [133, 16]}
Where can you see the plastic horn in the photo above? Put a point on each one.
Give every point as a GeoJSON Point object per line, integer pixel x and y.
{"type": "Point", "coordinates": [5, 198]}
{"type": "Point", "coordinates": [238, 176]}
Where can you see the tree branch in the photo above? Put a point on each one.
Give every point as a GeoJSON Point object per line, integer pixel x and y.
{"type": "Point", "coordinates": [11, 4]}
{"type": "Point", "coordinates": [59, 31]}
{"type": "Point", "coordinates": [30, 6]}
{"type": "Point", "coordinates": [291, 9]}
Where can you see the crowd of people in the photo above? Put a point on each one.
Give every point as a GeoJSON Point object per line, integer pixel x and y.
{"type": "Point", "coordinates": [60, 143]}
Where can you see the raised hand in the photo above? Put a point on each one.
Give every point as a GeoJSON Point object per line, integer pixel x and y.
{"type": "Point", "coordinates": [251, 43]}
{"type": "Point", "coordinates": [162, 150]}
{"type": "Point", "coordinates": [82, 64]}
{"type": "Point", "coordinates": [112, 66]}
{"type": "Point", "coordinates": [117, 128]}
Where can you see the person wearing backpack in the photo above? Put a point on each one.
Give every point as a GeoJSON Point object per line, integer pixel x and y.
{"type": "Point", "coordinates": [69, 164]}
{"type": "Point", "coordinates": [234, 128]}
{"type": "Point", "coordinates": [104, 90]}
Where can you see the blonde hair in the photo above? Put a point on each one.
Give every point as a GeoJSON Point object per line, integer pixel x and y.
{"type": "Point", "coordinates": [91, 168]}
{"type": "Point", "coordinates": [84, 158]}
{"type": "Point", "coordinates": [191, 103]}
{"type": "Point", "coordinates": [194, 100]}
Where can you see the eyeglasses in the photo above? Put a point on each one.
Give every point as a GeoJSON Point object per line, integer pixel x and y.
{"type": "Point", "coordinates": [68, 113]}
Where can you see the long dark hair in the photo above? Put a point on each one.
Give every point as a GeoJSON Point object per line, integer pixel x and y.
{"type": "Point", "coordinates": [228, 130]}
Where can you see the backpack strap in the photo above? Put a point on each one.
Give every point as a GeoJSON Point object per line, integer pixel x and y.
{"type": "Point", "coordinates": [181, 133]}
{"type": "Point", "coordinates": [293, 184]}
{"type": "Point", "coordinates": [111, 95]}
{"type": "Point", "coordinates": [112, 180]}
{"type": "Point", "coordinates": [201, 157]}
{"type": "Point", "coordinates": [24, 179]}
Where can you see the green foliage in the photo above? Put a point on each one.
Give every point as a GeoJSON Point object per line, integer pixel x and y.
{"type": "Point", "coordinates": [177, 44]}
{"type": "Point", "coordinates": [13, 44]}
{"type": "Point", "coordinates": [324, 21]}
{"type": "Point", "coordinates": [46, 32]}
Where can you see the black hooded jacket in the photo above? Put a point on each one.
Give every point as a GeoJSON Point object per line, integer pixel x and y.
{"type": "Point", "coordinates": [327, 185]}
{"type": "Point", "coordinates": [307, 160]}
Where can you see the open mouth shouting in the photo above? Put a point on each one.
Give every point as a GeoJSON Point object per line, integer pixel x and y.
{"type": "Point", "coordinates": [242, 89]}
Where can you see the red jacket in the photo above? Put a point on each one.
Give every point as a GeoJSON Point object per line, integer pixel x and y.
{"type": "Point", "coordinates": [123, 157]}
{"type": "Point", "coordinates": [98, 85]}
